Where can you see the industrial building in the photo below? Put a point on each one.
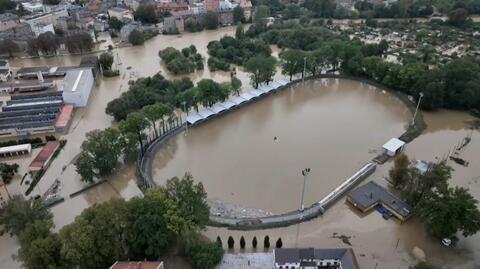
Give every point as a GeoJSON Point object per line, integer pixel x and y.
{"type": "Point", "coordinates": [77, 86]}
{"type": "Point", "coordinates": [43, 158]}
{"type": "Point", "coordinates": [29, 114]}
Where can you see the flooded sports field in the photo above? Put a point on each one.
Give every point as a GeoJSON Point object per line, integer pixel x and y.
{"type": "Point", "coordinates": [254, 156]}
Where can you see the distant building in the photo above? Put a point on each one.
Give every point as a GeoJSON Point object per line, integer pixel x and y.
{"type": "Point", "coordinates": [46, 18]}
{"type": "Point", "coordinates": [4, 195]}
{"type": "Point", "coordinates": [137, 265]}
{"type": "Point", "coordinates": [371, 195]}
{"type": "Point", "coordinates": [34, 7]}
{"type": "Point", "coordinates": [101, 25]}
{"type": "Point", "coordinates": [163, 7]}
{"type": "Point", "coordinates": [310, 258]}
{"type": "Point", "coordinates": [76, 87]}
{"type": "Point", "coordinates": [127, 29]}
{"type": "Point", "coordinates": [225, 17]}
{"type": "Point", "coordinates": [173, 24]}
{"type": "Point", "coordinates": [8, 21]}
{"type": "Point", "coordinates": [120, 13]}
{"type": "Point", "coordinates": [5, 73]}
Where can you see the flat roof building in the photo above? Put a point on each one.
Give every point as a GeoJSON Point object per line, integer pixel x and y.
{"type": "Point", "coordinates": [371, 195]}
{"type": "Point", "coordinates": [15, 150]}
{"type": "Point", "coordinates": [77, 86]}
{"type": "Point", "coordinates": [393, 146]}
{"type": "Point", "coordinates": [305, 258]}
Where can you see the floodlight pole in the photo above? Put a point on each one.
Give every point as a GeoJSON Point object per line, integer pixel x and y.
{"type": "Point", "coordinates": [416, 109]}
{"type": "Point", "coordinates": [305, 173]}
{"type": "Point", "coordinates": [186, 122]}
{"type": "Point", "coordinates": [304, 68]}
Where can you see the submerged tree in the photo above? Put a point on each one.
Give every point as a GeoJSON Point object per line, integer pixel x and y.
{"type": "Point", "coordinates": [279, 243]}
{"type": "Point", "coordinates": [242, 242]}
{"type": "Point", "coordinates": [254, 242]}
{"type": "Point", "coordinates": [266, 242]}
{"type": "Point", "coordinates": [231, 242]}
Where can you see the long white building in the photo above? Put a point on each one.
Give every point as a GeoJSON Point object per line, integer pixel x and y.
{"type": "Point", "coordinates": [76, 86]}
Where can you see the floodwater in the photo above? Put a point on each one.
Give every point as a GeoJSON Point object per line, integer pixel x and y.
{"type": "Point", "coordinates": [332, 126]}
{"type": "Point", "coordinates": [385, 244]}
{"type": "Point", "coordinates": [388, 244]}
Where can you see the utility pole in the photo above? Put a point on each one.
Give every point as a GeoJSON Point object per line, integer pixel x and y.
{"type": "Point", "coordinates": [305, 173]}
{"type": "Point", "coordinates": [304, 68]}
{"type": "Point", "coordinates": [416, 109]}
{"type": "Point", "coordinates": [186, 122]}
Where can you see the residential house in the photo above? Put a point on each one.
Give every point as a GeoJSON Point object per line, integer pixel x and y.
{"type": "Point", "coordinates": [127, 29]}
{"type": "Point", "coordinates": [164, 7]}
{"type": "Point", "coordinates": [46, 18]}
{"type": "Point", "coordinates": [101, 25]}
{"type": "Point", "coordinates": [247, 9]}
{"type": "Point", "coordinates": [120, 13]}
{"type": "Point", "coordinates": [307, 258]}
{"type": "Point", "coordinates": [173, 24]}
{"type": "Point", "coordinates": [8, 21]}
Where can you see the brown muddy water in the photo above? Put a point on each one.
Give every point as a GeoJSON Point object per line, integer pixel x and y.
{"type": "Point", "coordinates": [332, 126]}
{"type": "Point", "coordinates": [316, 127]}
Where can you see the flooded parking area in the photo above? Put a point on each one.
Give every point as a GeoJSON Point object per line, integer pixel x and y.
{"type": "Point", "coordinates": [254, 156]}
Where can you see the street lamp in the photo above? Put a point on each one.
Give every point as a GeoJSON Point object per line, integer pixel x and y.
{"type": "Point", "coordinates": [186, 122]}
{"type": "Point", "coordinates": [304, 68]}
{"type": "Point", "coordinates": [416, 109]}
{"type": "Point", "coordinates": [305, 173]}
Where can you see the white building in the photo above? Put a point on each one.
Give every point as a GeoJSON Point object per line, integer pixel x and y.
{"type": "Point", "coordinates": [34, 7]}
{"type": "Point", "coordinates": [120, 13]}
{"type": "Point", "coordinates": [41, 28]}
{"type": "Point", "coordinates": [76, 86]}
{"type": "Point", "coordinates": [393, 146]}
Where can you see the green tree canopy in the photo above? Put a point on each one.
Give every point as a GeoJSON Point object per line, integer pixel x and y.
{"type": "Point", "coordinates": [210, 92]}
{"type": "Point", "coordinates": [191, 201]}
{"type": "Point", "coordinates": [211, 20]}
{"type": "Point", "coordinates": [238, 14]}
{"type": "Point", "coordinates": [106, 61]}
{"type": "Point", "coordinates": [136, 37]}
{"type": "Point", "coordinates": [146, 14]}
{"type": "Point", "coordinates": [262, 69]}
{"type": "Point", "coordinates": [19, 212]}
{"type": "Point", "coordinates": [115, 23]}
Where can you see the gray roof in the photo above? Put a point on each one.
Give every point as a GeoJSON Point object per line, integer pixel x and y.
{"type": "Point", "coordinates": [8, 17]}
{"type": "Point", "coordinates": [75, 80]}
{"type": "Point", "coordinates": [371, 194]}
{"type": "Point", "coordinates": [346, 256]}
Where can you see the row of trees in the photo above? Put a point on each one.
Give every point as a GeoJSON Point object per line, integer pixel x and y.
{"type": "Point", "coordinates": [266, 242]}
{"type": "Point", "coordinates": [143, 228]}
{"type": "Point", "coordinates": [48, 43]}
{"type": "Point", "coordinates": [183, 62]}
{"type": "Point", "coordinates": [444, 210]}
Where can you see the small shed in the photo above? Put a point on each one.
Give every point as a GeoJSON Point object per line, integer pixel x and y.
{"type": "Point", "coordinates": [393, 146]}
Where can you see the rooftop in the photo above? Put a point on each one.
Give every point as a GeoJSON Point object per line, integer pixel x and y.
{"type": "Point", "coordinates": [75, 80]}
{"type": "Point", "coordinates": [345, 256]}
{"type": "Point", "coordinates": [43, 157]}
{"type": "Point", "coordinates": [372, 194]}
{"type": "Point", "coordinates": [246, 261]}
{"type": "Point", "coordinates": [393, 144]}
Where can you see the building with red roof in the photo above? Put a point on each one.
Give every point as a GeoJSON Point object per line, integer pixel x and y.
{"type": "Point", "coordinates": [42, 160]}
{"type": "Point", "coordinates": [64, 118]}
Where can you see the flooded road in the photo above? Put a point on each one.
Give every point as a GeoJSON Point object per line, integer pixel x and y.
{"type": "Point", "coordinates": [332, 126]}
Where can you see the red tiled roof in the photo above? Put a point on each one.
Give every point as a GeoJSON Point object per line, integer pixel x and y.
{"type": "Point", "coordinates": [246, 4]}
{"type": "Point", "coordinates": [137, 265]}
{"type": "Point", "coordinates": [64, 116]}
{"type": "Point", "coordinates": [43, 157]}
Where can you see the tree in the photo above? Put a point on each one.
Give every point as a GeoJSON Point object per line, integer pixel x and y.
{"type": "Point", "coordinates": [6, 5]}
{"type": "Point", "coordinates": [7, 171]}
{"type": "Point", "coordinates": [193, 25]}
{"type": "Point", "coordinates": [136, 37]}
{"type": "Point", "coordinates": [18, 213]}
{"type": "Point", "coordinates": [39, 247]}
{"type": "Point", "coordinates": [231, 242]}
{"type": "Point", "coordinates": [458, 17]}
{"type": "Point", "coordinates": [9, 47]}
{"type": "Point", "coordinates": [115, 23]}
{"type": "Point", "coordinates": [292, 62]}
{"type": "Point", "coordinates": [99, 153]}
{"type": "Point", "coordinates": [238, 14]}
{"type": "Point", "coordinates": [51, 2]}
{"type": "Point", "coordinates": [210, 92]}
{"type": "Point", "coordinates": [279, 243]}
{"type": "Point", "coordinates": [400, 170]}
{"type": "Point", "coordinates": [446, 212]}
{"type": "Point", "coordinates": [219, 241]}
{"type": "Point", "coordinates": [146, 14]}
{"type": "Point", "coordinates": [266, 242]}
{"type": "Point", "coordinates": [201, 254]}
{"type": "Point", "coordinates": [425, 265]}
{"type": "Point", "coordinates": [135, 123]}
{"type": "Point", "coordinates": [321, 8]}
{"type": "Point", "coordinates": [242, 242]}
{"type": "Point", "coordinates": [155, 112]}
{"type": "Point", "coordinates": [97, 238]}
{"type": "Point", "coordinates": [47, 43]}
{"type": "Point", "coordinates": [154, 224]}
{"type": "Point", "coordinates": [106, 61]}
{"type": "Point", "coordinates": [262, 69]}
{"type": "Point", "coordinates": [236, 84]}
{"type": "Point", "coordinates": [239, 32]}
{"type": "Point", "coordinates": [191, 201]}
{"type": "Point", "coordinates": [211, 20]}
{"type": "Point", "coordinates": [254, 242]}
{"type": "Point", "coordinates": [79, 42]}
{"type": "Point", "coordinates": [262, 12]}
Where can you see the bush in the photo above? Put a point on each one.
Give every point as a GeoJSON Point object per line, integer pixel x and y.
{"type": "Point", "coordinates": [266, 242]}
{"type": "Point", "coordinates": [254, 242]}
{"type": "Point", "coordinates": [242, 242]}
{"type": "Point", "coordinates": [183, 62]}
{"type": "Point", "coordinates": [231, 242]}
{"type": "Point", "coordinates": [111, 73]}
{"type": "Point", "coordinates": [136, 38]}
{"type": "Point", "coordinates": [50, 138]}
{"type": "Point", "coordinates": [201, 255]}
{"type": "Point", "coordinates": [215, 64]}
